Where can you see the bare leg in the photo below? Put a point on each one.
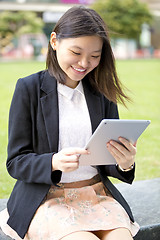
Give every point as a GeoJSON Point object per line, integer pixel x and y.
{"type": "Point", "coordinates": [81, 235]}
{"type": "Point", "coordinates": [119, 233]}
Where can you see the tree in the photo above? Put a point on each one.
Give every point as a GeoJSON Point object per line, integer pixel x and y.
{"type": "Point", "coordinates": [123, 17]}
{"type": "Point", "coordinates": [13, 24]}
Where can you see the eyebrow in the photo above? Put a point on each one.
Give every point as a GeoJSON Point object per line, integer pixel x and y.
{"type": "Point", "coordinates": [82, 49]}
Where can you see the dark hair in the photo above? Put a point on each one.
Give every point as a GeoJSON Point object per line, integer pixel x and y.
{"type": "Point", "coordinates": [81, 21]}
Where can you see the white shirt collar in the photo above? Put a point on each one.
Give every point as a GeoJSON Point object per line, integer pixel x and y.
{"type": "Point", "coordinates": [67, 91]}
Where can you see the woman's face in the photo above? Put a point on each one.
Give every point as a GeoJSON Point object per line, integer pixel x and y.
{"type": "Point", "coordinates": [77, 56]}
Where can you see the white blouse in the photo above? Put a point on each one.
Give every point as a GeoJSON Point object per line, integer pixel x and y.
{"type": "Point", "coordinates": [74, 127]}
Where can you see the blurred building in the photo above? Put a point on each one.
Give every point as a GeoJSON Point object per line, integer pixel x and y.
{"type": "Point", "coordinates": [154, 6]}
{"type": "Point", "coordinates": [51, 10]}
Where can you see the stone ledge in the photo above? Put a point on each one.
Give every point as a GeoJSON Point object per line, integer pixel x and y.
{"type": "Point", "coordinates": [143, 198]}
{"type": "Point", "coordinates": [151, 232]}
{"type": "Point", "coordinates": [3, 236]}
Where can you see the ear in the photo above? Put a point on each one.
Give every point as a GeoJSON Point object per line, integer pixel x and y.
{"type": "Point", "coordinates": [53, 40]}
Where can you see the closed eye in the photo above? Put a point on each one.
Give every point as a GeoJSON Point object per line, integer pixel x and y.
{"type": "Point", "coordinates": [76, 53]}
{"type": "Point", "coordinates": [96, 56]}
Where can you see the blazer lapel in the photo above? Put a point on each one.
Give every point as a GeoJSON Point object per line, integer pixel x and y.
{"type": "Point", "coordinates": [94, 105]}
{"type": "Point", "coordinates": [49, 103]}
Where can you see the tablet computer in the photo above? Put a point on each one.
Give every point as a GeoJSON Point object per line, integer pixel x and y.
{"type": "Point", "coordinates": [111, 129]}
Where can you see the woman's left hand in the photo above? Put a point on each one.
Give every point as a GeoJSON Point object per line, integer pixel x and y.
{"type": "Point", "coordinates": [124, 154]}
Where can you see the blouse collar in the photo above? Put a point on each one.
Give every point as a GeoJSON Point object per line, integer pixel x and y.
{"type": "Point", "coordinates": [68, 92]}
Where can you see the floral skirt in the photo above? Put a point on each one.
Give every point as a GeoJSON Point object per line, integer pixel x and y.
{"type": "Point", "coordinates": [68, 210]}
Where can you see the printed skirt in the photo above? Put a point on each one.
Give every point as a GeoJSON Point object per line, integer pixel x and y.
{"type": "Point", "coordinates": [67, 209]}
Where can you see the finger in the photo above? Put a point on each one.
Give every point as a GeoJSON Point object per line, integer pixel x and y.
{"type": "Point", "coordinates": [73, 151]}
{"type": "Point", "coordinates": [70, 158]}
{"type": "Point", "coordinates": [128, 145]}
{"type": "Point", "coordinates": [115, 152]}
{"type": "Point", "coordinates": [122, 160]}
{"type": "Point", "coordinates": [135, 144]}
{"type": "Point", "coordinates": [119, 148]}
{"type": "Point", "coordinates": [69, 167]}
{"type": "Point", "coordinates": [121, 152]}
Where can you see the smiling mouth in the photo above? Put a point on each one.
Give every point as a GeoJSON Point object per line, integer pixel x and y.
{"type": "Point", "coordinates": [79, 69]}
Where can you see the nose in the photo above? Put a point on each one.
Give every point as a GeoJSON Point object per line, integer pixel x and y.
{"type": "Point", "coordinates": [84, 62]}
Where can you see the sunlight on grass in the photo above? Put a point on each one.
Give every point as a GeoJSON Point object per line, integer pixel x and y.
{"type": "Point", "coordinates": [142, 78]}
{"type": "Point", "coordinates": [10, 72]}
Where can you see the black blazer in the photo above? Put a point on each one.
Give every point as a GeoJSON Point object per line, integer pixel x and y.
{"type": "Point", "coordinates": [33, 138]}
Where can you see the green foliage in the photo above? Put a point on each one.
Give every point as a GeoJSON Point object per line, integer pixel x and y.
{"type": "Point", "coordinates": [20, 22]}
{"type": "Point", "coordinates": [13, 24]}
{"type": "Point", "coordinates": [124, 17]}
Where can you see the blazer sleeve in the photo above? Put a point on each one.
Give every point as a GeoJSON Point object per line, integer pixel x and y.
{"type": "Point", "coordinates": [111, 112]}
{"type": "Point", "coordinates": [23, 163]}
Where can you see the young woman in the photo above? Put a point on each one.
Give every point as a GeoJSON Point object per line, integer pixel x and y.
{"type": "Point", "coordinates": [53, 114]}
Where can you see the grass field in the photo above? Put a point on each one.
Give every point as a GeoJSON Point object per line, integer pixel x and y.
{"type": "Point", "coordinates": [142, 77]}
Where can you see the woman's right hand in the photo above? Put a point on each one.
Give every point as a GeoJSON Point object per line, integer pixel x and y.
{"type": "Point", "coordinates": [67, 159]}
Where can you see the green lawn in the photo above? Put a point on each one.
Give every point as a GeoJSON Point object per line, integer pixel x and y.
{"type": "Point", "coordinates": [142, 77]}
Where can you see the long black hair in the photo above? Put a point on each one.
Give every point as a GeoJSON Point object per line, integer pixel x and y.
{"type": "Point", "coordinates": [80, 21]}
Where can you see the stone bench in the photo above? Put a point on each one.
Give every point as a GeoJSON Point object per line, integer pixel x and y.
{"type": "Point", "coordinates": [144, 199]}
{"type": "Point", "coordinates": [3, 203]}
